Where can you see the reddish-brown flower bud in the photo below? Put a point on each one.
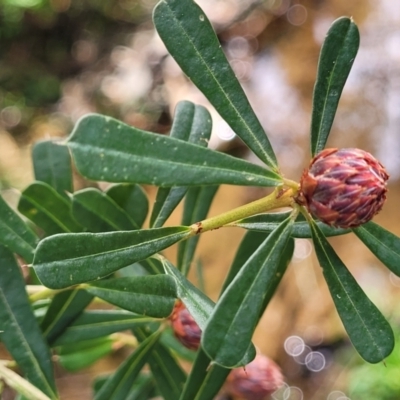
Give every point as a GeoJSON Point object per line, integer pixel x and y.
{"type": "Point", "coordinates": [343, 188]}
{"type": "Point", "coordinates": [185, 327]}
{"type": "Point", "coordinates": [256, 380]}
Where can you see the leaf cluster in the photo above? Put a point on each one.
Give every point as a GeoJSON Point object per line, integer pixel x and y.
{"type": "Point", "coordinates": [90, 244]}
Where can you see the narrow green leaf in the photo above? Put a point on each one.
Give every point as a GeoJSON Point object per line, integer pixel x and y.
{"type": "Point", "coordinates": [118, 386]}
{"type": "Point", "coordinates": [52, 165]}
{"type": "Point", "coordinates": [131, 198]}
{"type": "Point", "coordinates": [65, 260]}
{"type": "Point", "coordinates": [336, 59]}
{"type": "Point", "coordinates": [197, 204]}
{"type": "Point", "coordinates": [367, 328]}
{"type": "Point", "coordinates": [153, 295]}
{"type": "Point", "coordinates": [384, 244]}
{"type": "Point", "coordinates": [94, 324]}
{"type": "Point", "coordinates": [205, 380]}
{"type": "Point", "coordinates": [97, 212]}
{"type": "Point", "coordinates": [19, 330]}
{"type": "Point", "coordinates": [20, 385]}
{"type": "Point", "coordinates": [191, 40]}
{"type": "Point", "coordinates": [198, 304]}
{"type": "Point", "coordinates": [50, 211]}
{"type": "Point", "coordinates": [105, 149]}
{"type": "Point", "coordinates": [63, 310]}
{"type": "Point", "coordinates": [169, 376]}
{"type": "Point", "coordinates": [15, 234]}
{"type": "Point", "coordinates": [193, 124]}
{"type": "Point", "coordinates": [301, 229]}
{"type": "Point", "coordinates": [74, 357]}
{"type": "Point", "coordinates": [251, 241]}
{"type": "Point", "coordinates": [231, 326]}
{"type": "Point", "coordinates": [143, 389]}
{"type": "Point", "coordinates": [170, 341]}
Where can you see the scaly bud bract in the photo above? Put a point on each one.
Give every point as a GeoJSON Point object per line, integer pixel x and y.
{"type": "Point", "coordinates": [185, 327]}
{"type": "Point", "coordinates": [256, 380]}
{"type": "Point", "coordinates": [343, 188]}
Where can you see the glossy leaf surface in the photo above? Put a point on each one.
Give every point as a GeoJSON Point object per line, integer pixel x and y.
{"type": "Point", "coordinates": [169, 376]}
{"type": "Point", "coordinates": [15, 234]}
{"type": "Point", "coordinates": [191, 40]}
{"type": "Point", "coordinates": [19, 331]}
{"type": "Point", "coordinates": [63, 310]}
{"type": "Point", "coordinates": [301, 229]}
{"type": "Point", "coordinates": [65, 260]}
{"type": "Point", "coordinates": [99, 213]}
{"type": "Point", "coordinates": [153, 295]}
{"type": "Point", "coordinates": [49, 210]}
{"type": "Point", "coordinates": [131, 198]}
{"type": "Point", "coordinates": [105, 149]}
{"type": "Point", "coordinates": [119, 384]}
{"type": "Point", "coordinates": [52, 165]}
{"type": "Point", "coordinates": [336, 59]}
{"type": "Point", "coordinates": [384, 244]}
{"type": "Point", "coordinates": [197, 204]}
{"type": "Point", "coordinates": [368, 330]}
{"type": "Point", "coordinates": [231, 326]}
{"type": "Point", "coordinates": [97, 323]}
{"type": "Point", "coordinates": [193, 124]}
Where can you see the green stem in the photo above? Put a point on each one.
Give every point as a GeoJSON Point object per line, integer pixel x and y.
{"type": "Point", "coordinates": [37, 292]}
{"type": "Point", "coordinates": [280, 197]}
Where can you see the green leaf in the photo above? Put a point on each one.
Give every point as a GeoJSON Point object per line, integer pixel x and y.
{"type": "Point", "coordinates": [63, 310]}
{"type": "Point", "coordinates": [167, 373]}
{"type": "Point", "coordinates": [131, 198]}
{"type": "Point", "coordinates": [170, 341]}
{"type": "Point", "coordinates": [197, 204]}
{"type": "Point", "coordinates": [248, 246]}
{"type": "Point", "coordinates": [197, 303]}
{"type": "Point", "coordinates": [143, 389]}
{"type": "Point", "coordinates": [191, 123]}
{"type": "Point", "coordinates": [52, 165]}
{"type": "Point", "coordinates": [105, 149]}
{"type": "Point", "coordinates": [19, 330]}
{"type": "Point", "coordinates": [191, 40]}
{"type": "Point", "coordinates": [367, 328]}
{"type": "Point", "coordinates": [20, 385]}
{"type": "Point", "coordinates": [15, 234]}
{"type": "Point", "coordinates": [118, 386]}
{"type": "Point", "coordinates": [384, 244]}
{"type": "Point", "coordinates": [97, 212]}
{"type": "Point", "coordinates": [65, 260]}
{"type": "Point", "coordinates": [301, 229]}
{"type": "Point", "coordinates": [153, 295]}
{"type": "Point", "coordinates": [50, 211]}
{"type": "Point", "coordinates": [336, 59]}
{"type": "Point", "coordinates": [205, 380]}
{"type": "Point", "coordinates": [94, 324]}
{"type": "Point", "coordinates": [74, 357]}
{"type": "Point", "coordinates": [232, 323]}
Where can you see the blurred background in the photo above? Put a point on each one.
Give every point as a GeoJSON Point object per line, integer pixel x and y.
{"type": "Point", "coordinates": [61, 59]}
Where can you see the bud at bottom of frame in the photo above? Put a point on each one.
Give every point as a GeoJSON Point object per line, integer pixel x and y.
{"type": "Point", "coordinates": [343, 188]}
{"type": "Point", "coordinates": [256, 381]}
{"type": "Point", "coordinates": [185, 327]}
